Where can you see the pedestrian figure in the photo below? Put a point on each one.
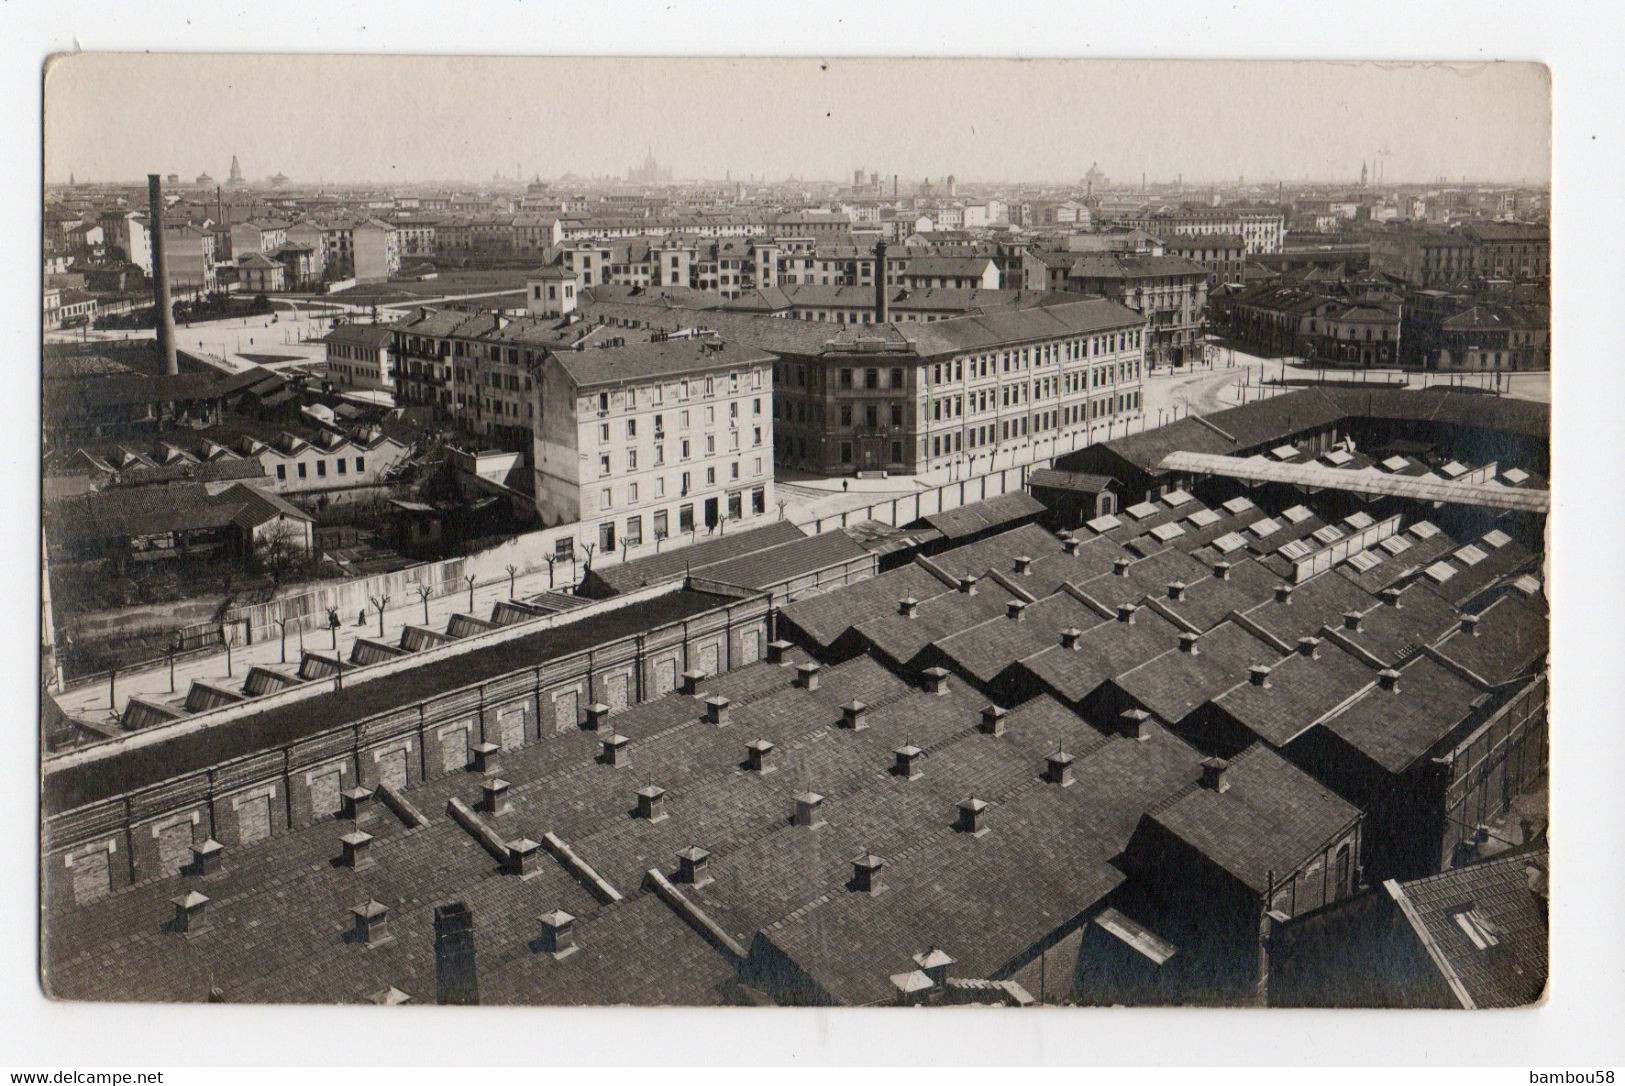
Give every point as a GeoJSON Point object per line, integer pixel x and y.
{"type": "Point", "coordinates": [846, 485]}
{"type": "Point", "coordinates": [361, 619]}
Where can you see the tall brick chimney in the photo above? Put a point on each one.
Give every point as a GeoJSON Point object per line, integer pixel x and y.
{"type": "Point", "coordinates": [882, 311]}
{"type": "Point", "coordinates": [164, 312]}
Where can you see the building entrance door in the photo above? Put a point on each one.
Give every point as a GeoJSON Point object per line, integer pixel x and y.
{"type": "Point", "coordinates": [710, 512]}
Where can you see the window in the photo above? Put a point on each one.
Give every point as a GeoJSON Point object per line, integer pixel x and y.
{"type": "Point", "coordinates": [606, 498]}
{"type": "Point", "coordinates": [660, 486]}
{"type": "Point", "coordinates": [603, 433]}
{"type": "Point", "coordinates": [683, 448]}
{"type": "Point", "coordinates": [846, 378]}
{"type": "Point", "coordinates": [631, 427]}
{"type": "Point", "coordinates": [871, 378]}
{"type": "Point", "coordinates": [871, 415]}
{"type": "Point", "coordinates": [282, 471]}
{"type": "Point", "coordinates": [341, 464]}
{"type": "Point", "coordinates": [564, 549]}
{"type": "Point", "coordinates": [631, 494]}
{"type": "Point", "coordinates": [659, 524]}
{"type": "Point", "coordinates": [603, 464]}
{"type": "Point", "coordinates": [758, 496]}
{"type": "Point", "coordinates": [897, 452]}
{"type": "Point", "coordinates": [846, 452]}
{"type": "Point", "coordinates": [710, 476]}
{"type": "Point", "coordinates": [846, 414]}
{"type": "Point", "coordinates": [606, 536]}
{"type": "Point", "coordinates": [631, 460]}
{"type": "Point", "coordinates": [897, 378]}
{"type": "Point", "coordinates": [685, 483]}
{"type": "Point", "coordinates": [897, 414]}
{"type": "Point", "coordinates": [685, 518]}
{"type": "Point", "coordinates": [321, 469]}
{"type": "Point", "coordinates": [634, 531]}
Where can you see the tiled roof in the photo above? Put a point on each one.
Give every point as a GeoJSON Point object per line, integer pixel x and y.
{"type": "Point", "coordinates": [655, 568]}
{"type": "Point", "coordinates": [1396, 727]}
{"type": "Point", "coordinates": [1498, 897]}
{"type": "Point", "coordinates": [1508, 641]}
{"type": "Point", "coordinates": [1298, 691]}
{"type": "Point", "coordinates": [1271, 818]}
{"type": "Point", "coordinates": [1174, 684]}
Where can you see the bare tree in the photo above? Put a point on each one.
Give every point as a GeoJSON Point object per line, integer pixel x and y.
{"type": "Point", "coordinates": [424, 592]}
{"type": "Point", "coordinates": [281, 548]}
{"type": "Point", "coordinates": [512, 570]}
{"type": "Point", "coordinates": [380, 602]}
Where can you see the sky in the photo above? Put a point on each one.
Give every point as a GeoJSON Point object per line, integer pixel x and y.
{"type": "Point", "coordinates": [120, 116]}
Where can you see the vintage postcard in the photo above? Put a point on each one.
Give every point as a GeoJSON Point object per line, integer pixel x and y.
{"type": "Point", "coordinates": [769, 533]}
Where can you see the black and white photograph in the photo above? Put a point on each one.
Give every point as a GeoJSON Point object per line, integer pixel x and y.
{"type": "Point", "coordinates": [977, 536]}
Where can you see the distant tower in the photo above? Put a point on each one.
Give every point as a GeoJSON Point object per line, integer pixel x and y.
{"type": "Point", "coordinates": [235, 177]}
{"type": "Point", "coordinates": [953, 185]}
{"type": "Point", "coordinates": [73, 182]}
{"type": "Point", "coordinates": [1363, 175]}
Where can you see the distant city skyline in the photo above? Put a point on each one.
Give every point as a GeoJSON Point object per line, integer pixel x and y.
{"type": "Point", "coordinates": [407, 120]}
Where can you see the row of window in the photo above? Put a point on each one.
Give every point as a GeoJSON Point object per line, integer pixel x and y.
{"type": "Point", "coordinates": [340, 468]}
{"type": "Point", "coordinates": [685, 484]}
{"type": "Point", "coordinates": [684, 420]}
{"type": "Point", "coordinates": [684, 450]}
{"type": "Point", "coordinates": [660, 520]}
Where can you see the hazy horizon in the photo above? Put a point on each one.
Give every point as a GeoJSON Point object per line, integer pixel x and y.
{"type": "Point", "coordinates": [385, 120]}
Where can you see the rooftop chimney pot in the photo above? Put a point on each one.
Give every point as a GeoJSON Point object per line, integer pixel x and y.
{"type": "Point", "coordinates": [524, 857]}
{"type": "Point", "coordinates": [1283, 593]}
{"type": "Point", "coordinates": [993, 720]}
{"type": "Point", "coordinates": [1120, 566]}
{"type": "Point", "coordinates": [807, 675]}
{"type": "Point", "coordinates": [1125, 613]}
{"type": "Point", "coordinates": [866, 874]}
{"type": "Point", "coordinates": [972, 816]}
{"type": "Point", "coordinates": [778, 650]}
{"type": "Point", "coordinates": [1070, 638]}
{"type": "Point", "coordinates": [1389, 678]}
{"type": "Point", "coordinates": [1221, 570]}
{"type": "Point", "coordinates": [809, 810]}
{"type": "Point", "coordinates": [1176, 590]}
{"type": "Point", "coordinates": [494, 797]}
{"type": "Point", "coordinates": [371, 923]}
{"type": "Point", "coordinates": [1351, 620]}
{"type": "Point", "coordinates": [652, 803]}
{"type": "Point", "coordinates": [1016, 610]}
{"type": "Point", "coordinates": [191, 915]}
{"type": "Point", "coordinates": [597, 714]}
{"type": "Point", "coordinates": [908, 607]}
{"type": "Point", "coordinates": [855, 716]}
{"type": "Point", "coordinates": [488, 757]}
{"type": "Point", "coordinates": [1390, 596]}
{"type": "Point", "coordinates": [759, 756]}
{"type": "Point", "coordinates": [936, 680]}
{"type": "Point", "coordinates": [355, 803]}
{"type": "Point", "coordinates": [1070, 546]}
{"type": "Point", "coordinates": [1310, 647]}
{"type": "Point", "coordinates": [617, 751]}
{"type": "Point", "coordinates": [1187, 643]}
{"type": "Point", "coordinates": [692, 681]}
{"type": "Point", "coordinates": [967, 585]}
{"type": "Point", "coordinates": [1058, 768]}
{"type": "Point", "coordinates": [1469, 625]}
{"type": "Point", "coordinates": [1024, 565]}
{"type": "Point", "coordinates": [1135, 724]}
{"type": "Point", "coordinates": [1215, 775]}
{"type": "Point", "coordinates": [206, 858]}
{"type": "Point", "coordinates": [717, 710]}
{"type": "Point", "coordinates": [1259, 674]}
{"type": "Point", "coordinates": [558, 935]}
{"type": "Point", "coordinates": [357, 851]}
{"type": "Point", "coordinates": [692, 866]}
{"type": "Point", "coordinates": [906, 762]}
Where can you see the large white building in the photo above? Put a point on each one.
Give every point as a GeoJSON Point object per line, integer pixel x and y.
{"type": "Point", "coordinates": [648, 436]}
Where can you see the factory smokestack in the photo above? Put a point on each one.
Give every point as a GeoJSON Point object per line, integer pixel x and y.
{"type": "Point", "coordinates": [882, 310]}
{"type": "Point", "coordinates": [162, 310]}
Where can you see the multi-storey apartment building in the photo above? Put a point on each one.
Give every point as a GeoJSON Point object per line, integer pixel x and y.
{"type": "Point", "coordinates": [1170, 292]}
{"type": "Point", "coordinates": [651, 435]}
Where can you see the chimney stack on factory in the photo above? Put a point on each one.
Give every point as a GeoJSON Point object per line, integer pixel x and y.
{"type": "Point", "coordinates": [163, 311]}
{"type": "Point", "coordinates": [882, 308]}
